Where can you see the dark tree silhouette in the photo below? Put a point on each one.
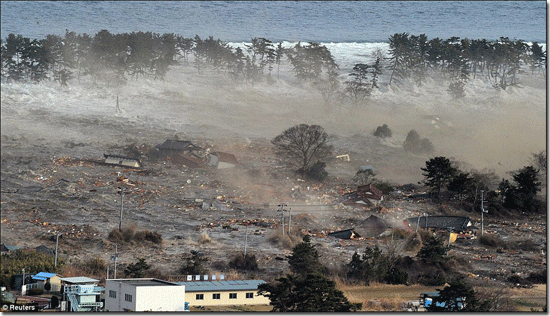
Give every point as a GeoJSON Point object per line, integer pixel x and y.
{"type": "Point", "coordinates": [137, 269]}
{"type": "Point", "coordinates": [438, 172]}
{"type": "Point", "coordinates": [302, 146]}
{"type": "Point", "coordinates": [194, 263]}
{"type": "Point", "coordinates": [306, 289]}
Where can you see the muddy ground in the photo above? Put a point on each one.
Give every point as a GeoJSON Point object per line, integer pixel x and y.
{"type": "Point", "coordinates": [49, 185]}
{"type": "Point", "coordinates": [53, 140]}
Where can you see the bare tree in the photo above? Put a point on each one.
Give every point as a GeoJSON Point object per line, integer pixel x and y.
{"type": "Point", "coordinates": [302, 146]}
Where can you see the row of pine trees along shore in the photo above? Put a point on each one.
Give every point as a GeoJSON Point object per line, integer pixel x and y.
{"type": "Point", "coordinates": [411, 60]}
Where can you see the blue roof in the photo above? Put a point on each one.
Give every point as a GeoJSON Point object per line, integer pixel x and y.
{"type": "Point", "coordinates": [229, 285]}
{"type": "Point", "coordinates": [43, 276]}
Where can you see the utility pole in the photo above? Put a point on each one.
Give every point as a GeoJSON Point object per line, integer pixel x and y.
{"type": "Point", "coordinates": [56, 247]}
{"type": "Point", "coordinates": [23, 284]}
{"type": "Point", "coordinates": [107, 271]}
{"type": "Point", "coordinates": [282, 210]}
{"type": "Point", "coordinates": [121, 191]}
{"type": "Point", "coordinates": [417, 223]}
{"type": "Point", "coordinates": [289, 221]}
{"type": "Point", "coordinates": [245, 239]}
{"type": "Point", "coordinates": [482, 211]}
{"type": "Point", "coordinates": [115, 257]}
{"type": "Point", "coordinates": [427, 215]}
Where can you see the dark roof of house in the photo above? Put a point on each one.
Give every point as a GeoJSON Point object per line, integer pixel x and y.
{"type": "Point", "coordinates": [344, 234]}
{"type": "Point", "coordinates": [440, 222]}
{"type": "Point", "coordinates": [9, 248]}
{"type": "Point", "coordinates": [171, 144]}
{"type": "Point", "coordinates": [45, 250]}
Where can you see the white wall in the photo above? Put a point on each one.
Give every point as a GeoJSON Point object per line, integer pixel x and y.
{"type": "Point", "coordinates": [144, 298]}
{"type": "Point", "coordinates": [169, 298]}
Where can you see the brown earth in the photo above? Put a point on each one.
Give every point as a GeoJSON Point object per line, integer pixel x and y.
{"type": "Point", "coordinates": [52, 179]}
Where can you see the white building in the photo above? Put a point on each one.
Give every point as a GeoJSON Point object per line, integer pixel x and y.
{"type": "Point", "coordinates": [144, 294]}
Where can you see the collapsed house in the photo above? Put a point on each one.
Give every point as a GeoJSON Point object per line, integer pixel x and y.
{"type": "Point", "coordinates": [171, 148]}
{"type": "Point", "coordinates": [364, 196]}
{"type": "Point", "coordinates": [452, 223]}
{"type": "Point", "coordinates": [373, 226]}
{"type": "Point", "coordinates": [185, 153]}
{"type": "Point", "coordinates": [345, 234]}
{"type": "Point", "coordinates": [221, 160]}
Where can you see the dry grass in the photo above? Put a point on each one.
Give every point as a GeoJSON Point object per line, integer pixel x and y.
{"type": "Point", "coordinates": [205, 239]}
{"type": "Point", "coordinates": [382, 297]}
{"type": "Point", "coordinates": [288, 241]}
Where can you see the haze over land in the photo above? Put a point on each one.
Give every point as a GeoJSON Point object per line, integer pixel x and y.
{"type": "Point", "coordinates": [486, 129]}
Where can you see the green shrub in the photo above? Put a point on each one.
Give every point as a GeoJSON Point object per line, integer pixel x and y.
{"type": "Point", "coordinates": [396, 276]}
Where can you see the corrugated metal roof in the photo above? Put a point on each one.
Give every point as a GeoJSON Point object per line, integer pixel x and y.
{"type": "Point", "coordinates": [144, 282]}
{"type": "Point", "coordinates": [440, 222]}
{"type": "Point", "coordinates": [43, 276]}
{"type": "Point", "coordinates": [229, 285]}
{"type": "Point", "coordinates": [75, 280]}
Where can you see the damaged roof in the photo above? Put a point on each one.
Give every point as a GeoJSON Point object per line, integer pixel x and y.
{"type": "Point", "coordinates": [364, 196]}
{"type": "Point", "coordinates": [226, 157]}
{"type": "Point", "coordinates": [458, 223]}
{"type": "Point", "coordinates": [345, 234]}
{"type": "Point", "coordinates": [171, 144]}
{"type": "Point", "coordinates": [370, 191]}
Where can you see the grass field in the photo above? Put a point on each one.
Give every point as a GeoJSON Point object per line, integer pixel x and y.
{"type": "Point", "coordinates": [383, 297]}
{"type": "Point", "coordinates": [386, 298]}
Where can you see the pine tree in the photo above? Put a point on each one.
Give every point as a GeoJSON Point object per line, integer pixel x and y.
{"type": "Point", "coordinates": [306, 289]}
{"type": "Point", "coordinates": [438, 172]}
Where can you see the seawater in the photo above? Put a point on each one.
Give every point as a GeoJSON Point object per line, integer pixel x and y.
{"type": "Point", "coordinates": [351, 30]}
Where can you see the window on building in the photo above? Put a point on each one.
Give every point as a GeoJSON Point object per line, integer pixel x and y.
{"type": "Point", "coordinates": [216, 296]}
{"type": "Point", "coordinates": [112, 294]}
{"type": "Point", "coordinates": [128, 297]}
{"type": "Point", "coordinates": [199, 297]}
{"type": "Point", "coordinates": [232, 296]}
{"type": "Point", "coordinates": [250, 295]}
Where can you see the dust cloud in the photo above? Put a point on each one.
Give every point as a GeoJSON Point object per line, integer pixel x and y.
{"type": "Point", "coordinates": [487, 129]}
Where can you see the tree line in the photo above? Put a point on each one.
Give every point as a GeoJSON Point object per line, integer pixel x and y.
{"type": "Point", "coordinates": [445, 179]}
{"type": "Point", "coordinates": [500, 61]}
{"type": "Point", "coordinates": [133, 55]}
